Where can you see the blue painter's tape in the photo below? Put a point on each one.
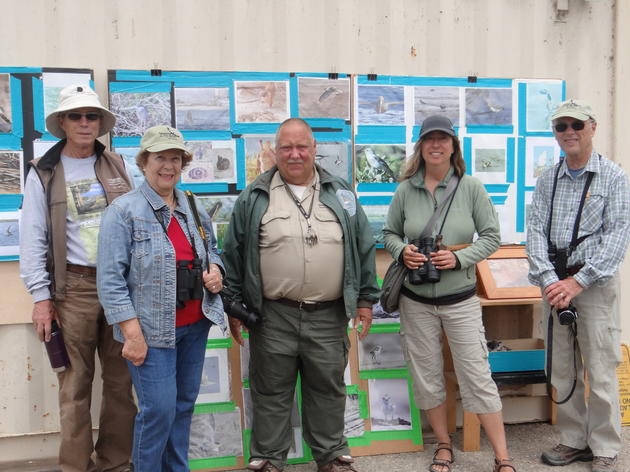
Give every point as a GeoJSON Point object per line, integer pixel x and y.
{"type": "Point", "coordinates": [324, 137]}
{"type": "Point", "coordinates": [497, 188]}
{"type": "Point", "coordinates": [320, 75]}
{"type": "Point", "coordinates": [195, 82]}
{"type": "Point", "coordinates": [522, 109]}
{"type": "Point", "coordinates": [509, 164]}
{"type": "Point", "coordinates": [10, 141]}
{"type": "Point", "coordinates": [139, 87]}
{"type": "Point", "coordinates": [564, 90]}
{"type": "Point", "coordinates": [126, 141]}
{"type": "Point", "coordinates": [498, 199]}
{"type": "Point", "coordinates": [21, 70]}
{"type": "Point", "coordinates": [490, 129]}
{"type": "Point", "coordinates": [17, 126]}
{"type": "Point", "coordinates": [520, 188]}
{"type": "Point", "coordinates": [375, 199]}
{"type": "Point", "coordinates": [377, 187]}
{"type": "Point", "coordinates": [257, 76]}
{"type": "Point", "coordinates": [215, 187]}
{"type": "Point", "coordinates": [525, 360]}
{"type": "Point", "coordinates": [293, 94]}
{"type": "Point", "coordinates": [434, 81]}
{"type": "Point", "coordinates": [9, 258]}
{"type": "Point", "coordinates": [240, 164]}
{"type": "Point", "coordinates": [492, 83]}
{"type": "Point", "coordinates": [255, 128]}
{"type": "Point", "coordinates": [468, 154]}
{"type": "Point", "coordinates": [381, 134]}
{"type": "Point", "coordinates": [46, 136]}
{"type": "Point", "coordinates": [207, 135]}
{"type": "Point", "coordinates": [10, 202]}
{"type": "Point", "coordinates": [38, 105]}
{"type": "Point", "coordinates": [546, 134]}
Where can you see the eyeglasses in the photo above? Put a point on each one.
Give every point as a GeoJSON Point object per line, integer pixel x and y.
{"type": "Point", "coordinates": [576, 126]}
{"type": "Point", "coordinates": [76, 116]}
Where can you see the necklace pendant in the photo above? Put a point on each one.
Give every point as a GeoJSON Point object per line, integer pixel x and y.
{"type": "Point", "coordinates": [311, 238]}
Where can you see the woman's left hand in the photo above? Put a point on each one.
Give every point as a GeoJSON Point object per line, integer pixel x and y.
{"type": "Point", "coordinates": [212, 279]}
{"type": "Point", "coordinates": [444, 259]}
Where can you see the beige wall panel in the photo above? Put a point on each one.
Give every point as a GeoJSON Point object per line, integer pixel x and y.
{"type": "Point", "coordinates": [487, 38]}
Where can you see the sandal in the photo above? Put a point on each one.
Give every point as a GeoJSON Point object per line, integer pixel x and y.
{"type": "Point", "coordinates": [501, 465]}
{"type": "Point", "coordinates": [442, 462]}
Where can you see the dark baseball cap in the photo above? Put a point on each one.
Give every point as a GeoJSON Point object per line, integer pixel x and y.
{"type": "Point", "coordinates": [437, 123]}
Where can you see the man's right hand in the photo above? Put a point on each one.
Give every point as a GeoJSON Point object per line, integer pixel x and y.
{"type": "Point", "coordinates": [43, 314]}
{"type": "Point", "coordinates": [235, 329]}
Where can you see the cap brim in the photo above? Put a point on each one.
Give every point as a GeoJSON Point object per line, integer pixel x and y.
{"type": "Point", "coordinates": [571, 114]}
{"type": "Point", "coordinates": [448, 131]}
{"type": "Point", "coordinates": [164, 146]}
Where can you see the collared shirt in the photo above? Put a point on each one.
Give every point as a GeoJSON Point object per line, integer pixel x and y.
{"type": "Point", "coordinates": [290, 268]}
{"type": "Point", "coordinates": [605, 218]}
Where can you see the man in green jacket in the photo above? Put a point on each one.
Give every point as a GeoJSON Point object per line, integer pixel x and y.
{"type": "Point", "coordinates": [300, 253]}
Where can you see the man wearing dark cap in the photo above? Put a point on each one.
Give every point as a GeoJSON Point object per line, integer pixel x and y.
{"type": "Point", "coordinates": [64, 195]}
{"type": "Point", "coordinates": [578, 233]}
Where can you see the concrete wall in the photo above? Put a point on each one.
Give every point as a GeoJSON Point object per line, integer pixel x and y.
{"type": "Point", "coordinates": [586, 45]}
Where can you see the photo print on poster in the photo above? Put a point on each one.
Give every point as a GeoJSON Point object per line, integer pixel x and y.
{"type": "Point", "coordinates": [138, 111]}
{"type": "Point", "coordinates": [353, 423]}
{"type": "Point", "coordinates": [381, 351]}
{"type": "Point", "coordinates": [6, 118]}
{"type": "Point", "coordinates": [540, 153]}
{"type": "Point", "coordinates": [436, 101]}
{"type": "Point", "coordinates": [215, 377]}
{"type": "Point", "coordinates": [381, 105]}
{"type": "Point", "coordinates": [261, 101]}
{"type": "Point", "coordinates": [202, 108]}
{"type": "Point", "coordinates": [377, 216]}
{"type": "Point", "coordinates": [220, 231]}
{"type": "Point", "coordinates": [489, 158]}
{"type": "Point", "coordinates": [389, 404]}
{"type": "Point", "coordinates": [379, 163]}
{"type": "Point", "coordinates": [213, 161]}
{"type": "Point", "coordinates": [379, 315]}
{"type": "Point", "coordinates": [324, 98]}
{"type": "Point", "coordinates": [215, 434]}
{"type": "Point", "coordinates": [129, 155]}
{"type": "Point", "coordinates": [9, 233]}
{"type": "Point", "coordinates": [10, 171]}
{"type": "Point", "coordinates": [333, 157]}
{"type": "Point", "coordinates": [260, 155]}
{"type": "Point", "coordinates": [542, 100]}
{"type": "Point", "coordinates": [55, 82]}
{"type": "Point", "coordinates": [218, 207]}
{"type": "Point", "coordinates": [488, 106]}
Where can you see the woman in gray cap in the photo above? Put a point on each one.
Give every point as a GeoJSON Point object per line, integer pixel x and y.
{"type": "Point", "coordinates": [436, 209]}
{"type": "Point", "coordinates": [159, 276]}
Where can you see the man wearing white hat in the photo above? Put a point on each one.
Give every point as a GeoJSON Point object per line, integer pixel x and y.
{"type": "Point", "coordinates": [578, 233]}
{"type": "Point", "coordinates": [64, 195]}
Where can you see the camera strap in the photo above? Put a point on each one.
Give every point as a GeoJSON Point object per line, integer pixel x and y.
{"type": "Point", "coordinates": [575, 241]}
{"type": "Point", "coordinates": [449, 193]}
{"type": "Point", "coordinates": [573, 329]}
{"type": "Point", "coordinates": [202, 232]}
{"type": "Point", "coordinates": [160, 217]}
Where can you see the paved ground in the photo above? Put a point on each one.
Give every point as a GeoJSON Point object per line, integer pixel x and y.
{"type": "Point", "coordinates": [525, 441]}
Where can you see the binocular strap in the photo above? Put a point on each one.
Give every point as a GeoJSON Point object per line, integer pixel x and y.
{"type": "Point", "coordinates": [573, 329]}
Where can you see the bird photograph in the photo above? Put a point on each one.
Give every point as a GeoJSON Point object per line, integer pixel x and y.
{"type": "Point", "coordinates": [379, 163]}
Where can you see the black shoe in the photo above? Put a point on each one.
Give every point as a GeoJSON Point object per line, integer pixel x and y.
{"type": "Point", "coordinates": [564, 455]}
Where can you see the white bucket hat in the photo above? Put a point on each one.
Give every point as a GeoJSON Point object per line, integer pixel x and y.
{"type": "Point", "coordinates": [78, 96]}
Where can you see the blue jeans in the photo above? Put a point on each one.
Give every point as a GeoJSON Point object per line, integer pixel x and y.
{"type": "Point", "coordinates": [167, 385]}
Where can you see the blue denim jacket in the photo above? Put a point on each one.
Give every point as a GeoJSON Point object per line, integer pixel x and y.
{"type": "Point", "coordinates": [136, 264]}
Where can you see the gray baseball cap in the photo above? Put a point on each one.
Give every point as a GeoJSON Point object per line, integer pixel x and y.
{"type": "Point", "coordinates": [437, 123]}
{"type": "Point", "coordinates": [574, 109]}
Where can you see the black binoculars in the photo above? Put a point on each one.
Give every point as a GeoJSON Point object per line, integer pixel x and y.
{"type": "Point", "coordinates": [426, 273]}
{"type": "Point", "coordinates": [189, 281]}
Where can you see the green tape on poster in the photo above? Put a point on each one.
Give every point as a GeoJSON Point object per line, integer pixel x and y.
{"type": "Point", "coordinates": [391, 435]}
{"type": "Point", "coordinates": [358, 441]}
{"type": "Point", "coordinates": [213, 407]}
{"type": "Point", "coordinates": [219, 343]}
{"type": "Point", "coordinates": [383, 374]}
{"type": "Point", "coordinates": [213, 463]}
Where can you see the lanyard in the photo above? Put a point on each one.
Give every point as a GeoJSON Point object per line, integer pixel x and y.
{"type": "Point", "coordinates": [160, 217]}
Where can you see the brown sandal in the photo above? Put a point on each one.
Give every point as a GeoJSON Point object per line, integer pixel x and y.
{"type": "Point", "coordinates": [499, 465]}
{"type": "Point", "coordinates": [442, 462]}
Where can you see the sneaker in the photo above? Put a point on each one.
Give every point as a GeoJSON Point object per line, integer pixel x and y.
{"type": "Point", "coordinates": [262, 465]}
{"type": "Point", "coordinates": [339, 464]}
{"type": "Point", "coordinates": [563, 455]}
{"type": "Point", "coordinates": [604, 464]}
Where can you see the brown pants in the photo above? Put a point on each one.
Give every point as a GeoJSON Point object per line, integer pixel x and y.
{"type": "Point", "coordinates": [85, 331]}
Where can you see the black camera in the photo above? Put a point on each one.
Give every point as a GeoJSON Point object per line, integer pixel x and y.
{"type": "Point", "coordinates": [559, 258]}
{"type": "Point", "coordinates": [567, 316]}
{"type": "Point", "coordinates": [189, 281]}
{"type": "Point", "coordinates": [427, 272]}
{"type": "Point", "coordinates": [239, 311]}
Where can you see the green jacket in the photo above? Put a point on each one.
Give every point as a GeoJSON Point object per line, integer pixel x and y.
{"type": "Point", "coordinates": [240, 247]}
{"type": "Point", "coordinates": [471, 212]}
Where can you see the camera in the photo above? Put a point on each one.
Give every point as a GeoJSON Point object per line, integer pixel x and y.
{"type": "Point", "coordinates": [189, 281]}
{"type": "Point", "coordinates": [567, 316]}
{"type": "Point", "coordinates": [426, 273]}
{"type": "Point", "coordinates": [239, 311]}
{"type": "Point", "coordinates": [559, 258]}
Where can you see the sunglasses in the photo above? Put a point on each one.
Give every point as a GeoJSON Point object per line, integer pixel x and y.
{"type": "Point", "coordinates": [576, 126]}
{"type": "Point", "coordinates": [90, 116]}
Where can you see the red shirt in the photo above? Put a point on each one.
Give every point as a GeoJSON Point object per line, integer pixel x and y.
{"type": "Point", "coordinates": [191, 313]}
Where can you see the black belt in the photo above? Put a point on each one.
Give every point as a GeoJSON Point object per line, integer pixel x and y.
{"type": "Point", "coordinates": [81, 270]}
{"type": "Point", "coordinates": [574, 269]}
{"type": "Point", "coordinates": [439, 301]}
{"type": "Point", "coordinates": [308, 306]}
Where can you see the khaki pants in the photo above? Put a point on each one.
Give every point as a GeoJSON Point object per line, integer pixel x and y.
{"type": "Point", "coordinates": [596, 423]}
{"type": "Point", "coordinates": [85, 332]}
